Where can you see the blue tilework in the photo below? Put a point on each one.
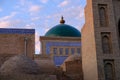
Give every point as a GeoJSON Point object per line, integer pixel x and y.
{"type": "Point", "coordinates": [49, 44]}
{"type": "Point", "coordinates": [16, 31]}
{"type": "Point", "coordinates": [58, 60]}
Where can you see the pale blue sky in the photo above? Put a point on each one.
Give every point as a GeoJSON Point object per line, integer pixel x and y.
{"type": "Point", "coordinates": [41, 14]}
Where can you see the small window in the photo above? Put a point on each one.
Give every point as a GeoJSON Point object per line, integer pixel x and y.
{"type": "Point", "coordinates": [55, 50]}
{"type": "Point", "coordinates": [61, 51]}
{"type": "Point", "coordinates": [78, 50]}
{"type": "Point", "coordinates": [67, 51]}
{"type": "Point", "coordinates": [72, 50]}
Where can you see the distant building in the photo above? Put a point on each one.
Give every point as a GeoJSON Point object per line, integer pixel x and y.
{"type": "Point", "coordinates": [16, 41]}
{"type": "Point", "coordinates": [93, 56]}
{"type": "Point", "coordinates": [60, 42]}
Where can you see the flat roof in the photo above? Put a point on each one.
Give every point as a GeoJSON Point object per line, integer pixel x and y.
{"type": "Point", "coordinates": [16, 31]}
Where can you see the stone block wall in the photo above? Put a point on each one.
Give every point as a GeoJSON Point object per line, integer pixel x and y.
{"type": "Point", "coordinates": [12, 42]}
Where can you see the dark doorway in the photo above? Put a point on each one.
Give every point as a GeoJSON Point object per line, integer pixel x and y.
{"type": "Point", "coordinates": [119, 27]}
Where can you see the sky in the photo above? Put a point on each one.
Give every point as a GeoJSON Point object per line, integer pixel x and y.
{"type": "Point", "coordinates": [41, 15]}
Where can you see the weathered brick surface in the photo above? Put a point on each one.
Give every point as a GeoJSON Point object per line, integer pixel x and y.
{"type": "Point", "coordinates": [92, 53]}
{"type": "Point", "coordinates": [13, 44]}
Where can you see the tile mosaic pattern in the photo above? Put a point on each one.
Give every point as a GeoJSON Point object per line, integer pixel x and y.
{"type": "Point", "coordinates": [16, 31]}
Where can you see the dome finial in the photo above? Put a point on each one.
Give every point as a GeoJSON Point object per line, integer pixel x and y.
{"type": "Point", "coordinates": [62, 21]}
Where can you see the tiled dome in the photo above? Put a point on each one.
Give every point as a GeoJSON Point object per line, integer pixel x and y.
{"type": "Point", "coordinates": [63, 30]}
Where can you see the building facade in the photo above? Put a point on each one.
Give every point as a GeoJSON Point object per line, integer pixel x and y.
{"type": "Point", "coordinates": [59, 48]}
{"type": "Point", "coordinates": [60, 42]}
{"type": "Point", "coordinates": [15, 42]}
{"type": "Point", "coordinates": [99, 45]}
{"type": "Point", "coordinates": [100, 40]}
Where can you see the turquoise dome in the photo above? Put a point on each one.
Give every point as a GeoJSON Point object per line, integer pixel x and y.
{"type": "Point", "coordinates": [63, 30]}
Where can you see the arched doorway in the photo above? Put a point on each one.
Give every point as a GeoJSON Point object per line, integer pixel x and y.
{"type": "Point", "coordinates": [119, 32]}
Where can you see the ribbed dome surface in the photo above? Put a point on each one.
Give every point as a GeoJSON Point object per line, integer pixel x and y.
{"type": "Point", "coordinates": [19, 64]}
{"type": "Point", "coordinates": [63, 30]}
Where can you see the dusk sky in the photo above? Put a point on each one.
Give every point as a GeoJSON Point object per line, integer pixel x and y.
{"type": "Point", "coordinates": [41, 15]}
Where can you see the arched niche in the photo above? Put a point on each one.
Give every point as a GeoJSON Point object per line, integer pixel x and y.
{"type": "Point", "coordinates": [103, 15]}
{"type": "Point", "coordinates": [106, 44]}
{"type": "Point", "coordinates": [109, 71]}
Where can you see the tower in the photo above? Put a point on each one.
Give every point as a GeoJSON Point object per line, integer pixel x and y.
{"type": "Point", "coordinates": [100, 40]}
